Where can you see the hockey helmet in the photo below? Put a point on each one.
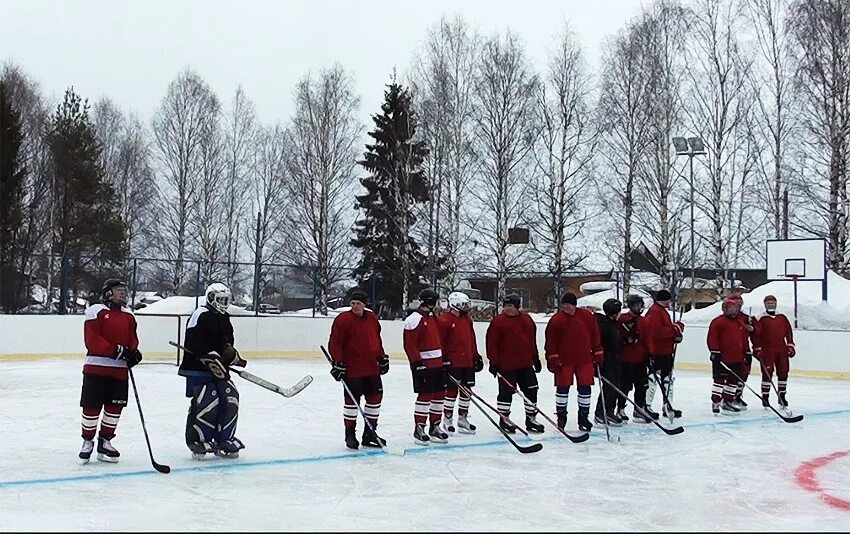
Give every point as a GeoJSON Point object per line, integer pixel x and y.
{"type": "Point", "coordinates": [108, 287]}
{"type": "Point", "coordinates": [612, 307]}
{"type": "Point", "coordinates": [428, 298]}
{"type": "Point", "coordinates": [219, 297]}
{"type": "Point", "coordinates": [459, 301]}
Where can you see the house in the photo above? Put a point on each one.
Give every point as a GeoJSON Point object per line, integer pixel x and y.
{"type": "Point", "coordinates": [537, 293]}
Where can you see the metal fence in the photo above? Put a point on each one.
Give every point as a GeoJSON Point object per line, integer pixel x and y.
{"type": "Point", "coordinates": [67, 284]}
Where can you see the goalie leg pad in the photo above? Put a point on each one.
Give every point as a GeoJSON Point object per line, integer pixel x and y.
{"type": "Point", "coordinates": [228, 415]}
{"type": "Point", "coordinates": [202, 420]}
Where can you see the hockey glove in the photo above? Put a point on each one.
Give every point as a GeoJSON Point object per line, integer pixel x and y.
{"type": "Point", "coordinates": [446, 364]}
{"type": "Point", "coordinates": [714, 356]}
{"type": "Point", "coordinates": [598, 356]}
{"type": "Point", "coordinates": [230, 356]}
{"type": "Point", "coordinates": [338, 370]}
{"type": "Point", "coordinates": [214, 365]}
{"type": "Point", "coordinates": [384, 364]}
{"type": "Point", "coordinates": [131, 356]}
{"type": "Point", "coordinates": [553, 363]}
{"type": "Point", "coordinates": [494, 369]}
{"type": "Point", "coordinates": [792, 350]}
{"type": "Point", "coordinates": [679, 329]}
{"type": "Point", "coordinates": [479, 363]}
{"type": "Point", "coordinates": [537, 365]}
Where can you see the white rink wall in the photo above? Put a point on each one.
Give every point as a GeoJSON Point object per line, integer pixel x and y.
{"type": "Point", "coordinates": [24, 337]}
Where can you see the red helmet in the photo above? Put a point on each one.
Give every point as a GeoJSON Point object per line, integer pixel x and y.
{"type": "Point", "coordinates": [729, 301]}
{"type": "Point", "coordinates": [770, 297]}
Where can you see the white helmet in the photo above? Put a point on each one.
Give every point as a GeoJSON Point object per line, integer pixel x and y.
{"type": "Point", "coordinates": [219, 297]}
{"type": "Point", "coordinates": [459, 301]}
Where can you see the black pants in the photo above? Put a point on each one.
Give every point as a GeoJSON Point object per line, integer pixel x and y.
{"type": "Point", "coordinates": [526, 381]}
{"type": "Point", "coordinates": [633, 375]}
{"type": "Point", "coordinates": [611, 369]}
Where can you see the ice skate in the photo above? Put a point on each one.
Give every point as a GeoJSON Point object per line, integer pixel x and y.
{"type": "Point", "coordinates": [229, 448]}
{"type": "Point", "coordinates": [437, 435]}
{"type": "Point", "coordinates": [782, 400]}
{"type": "Point", "coordinates": [562, 419]}
{"type": "Point", "coordinates": [464, 426]}
{"type": "Point", "coordinates": [448, 425]}
{"type": "Point", "coordinates": [506, 426]}
{"type": "Point", "coordinates": [729, 408]}
{"type": "Point", "coordinates": [715, 408]}
{"type": "Point", "coordinates": [351, 438]}
{"type": "Point", "coordinates": [419, 435]}
{"type": "Point", "coordinates": [106, 452]}
{"type": "Point", "coordinates": [86, 450]}
{"type": "Point", "coordinates": [765, 401]}
{"type": "Point", "coordinates": [532, 425]}
{"type": "Point", "coordinates": [584, 423]}
{"type": "Point", "coordinates": [621, 413]}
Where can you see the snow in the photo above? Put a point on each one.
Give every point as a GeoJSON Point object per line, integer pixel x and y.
{"type": "Point", "coordinates": [595, 300]}
{"type": "Point", "coordinates": [813, 313]}
{"type": "Point", "coordinates": [593, 287]}
{"type": "Point", "coordinates": [179, 305]}
{"type": "Point", "coordinates": [721, 474]}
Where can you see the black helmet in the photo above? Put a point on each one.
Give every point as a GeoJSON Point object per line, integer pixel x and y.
{"type": "Point", "coordinates": [633, 300]}
{"type": "Point", "coordinates": [512, 298]}
{"type": "Point", "coordinates": [428, 297]}
{"type": "Point", "coordinates": [612, 307]}
{"type": "Point", "coordinates": [108, 285]}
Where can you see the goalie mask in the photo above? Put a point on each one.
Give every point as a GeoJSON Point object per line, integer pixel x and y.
{"type": "Point", "coordinates": [459, 301]}
{"type": "Point", "coordinates": [219, 297]}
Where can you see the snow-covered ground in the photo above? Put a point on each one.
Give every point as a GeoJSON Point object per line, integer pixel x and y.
{"type": "Point", "coordinates": [751, 472]}
{"type": "Point", "coordinates": [813, 313]}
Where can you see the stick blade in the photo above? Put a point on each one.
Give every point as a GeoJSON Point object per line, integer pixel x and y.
{"type": "Point", "coordinates": [537, 447]}
{"type": "Point", "coordinates": [298, 387]}
{"type": "Point", "coordinates": [164, 469]}
{"type": "Point", "coordinates": [673, 431]}
{"type": "Point", "coordinates": [581, 438]}
{"type": "Point", "coordinates": [794, 419]}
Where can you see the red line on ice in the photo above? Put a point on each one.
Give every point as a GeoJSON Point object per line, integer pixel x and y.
{"type": "Point", "coordinates": [806, 477]}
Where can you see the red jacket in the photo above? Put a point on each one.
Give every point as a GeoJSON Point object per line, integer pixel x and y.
{"type": "Point", "coordinates": [512, 341]}
{"type": "Point", "coordinates": [573, 338]}
{"type": "Point", "coordinates": [728, 336]}
{"type": "Point", "coordinates": [458, 339]}
{"type": "Point", "coordinates": [633, 352]}
{"type": "Point", "coordinates": [105, 329]}
{"type": "Point", "coordinates": [660, 332]}
{"type": "Point", "coordinates": [422, 340]}
{"type": "Point", "coordinates": [356, 341]}
{"type": "Point", "coordinates": [775, 332]}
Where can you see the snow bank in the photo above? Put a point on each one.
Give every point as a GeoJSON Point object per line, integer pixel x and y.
{"type": "Point", "coordinates": [596, 300]}
{"type": "Point", "coordinates": [812, 312]}
{"type": "Point", "coordinates": [183, 306]}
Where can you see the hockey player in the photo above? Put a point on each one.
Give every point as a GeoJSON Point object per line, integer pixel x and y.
{"type": "Point", "coordinates": [214, 404]}
{"type": "Point", "coordinates": [609, 332]}
{"type": "Point", "coordinates": [460, 347]}
{"type": "Point", "coordinates": [634, 356]}
{"type": "Point", "coordinates": [512, 352]}
{"type": "Point", "coordinates": [750, 337]}
{"type": "Point", "coordinates": [359, 359]}
{"type": "Point", "coordinates": [423, 349]}
{"type": "Point", "coordinates": [727, 343]}
{"type": "Point", "coordinates": [776, 343]}
{"type": "Point", "coordinates": [662, 336]}
{"type": "Point", "coordinates": [572, 348]}
{"type": "Point", "coordinates": [111, 348]}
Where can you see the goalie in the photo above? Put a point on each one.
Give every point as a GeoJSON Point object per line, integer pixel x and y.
{"type": "Point", "coordinates": [214, 404]}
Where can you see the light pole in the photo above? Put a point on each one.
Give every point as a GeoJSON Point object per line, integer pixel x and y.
{"type": "Point", "coordinates": [692, 146]}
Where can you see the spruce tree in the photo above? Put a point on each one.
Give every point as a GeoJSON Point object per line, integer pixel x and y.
{"type": "Point", "coordinates": [395, 189]}
{"type": "Point", "coordinates": [12, 188]}
{"type": "Point", "coordinates": [87, 223]}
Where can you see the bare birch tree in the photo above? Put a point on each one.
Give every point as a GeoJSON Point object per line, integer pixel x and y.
{"type": "Point", "coordinates": [506, 130]}
{"type": "Point", "coordinates": [443, 86]}
{"type": "Point", "coordinates": [209, 225]}
{"type": "Point", "coordinates": [178, 126]}
{"type": "Point", "coordinates": [821, 34]}
{"type": "Point", "coordinates": [322, 158]}
{"type": "Point", "coordinates": [563, 156]}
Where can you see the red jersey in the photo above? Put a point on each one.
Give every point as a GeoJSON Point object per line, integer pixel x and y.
{"type": "Point", "coordinates": [105, 329]}
{"type": "Point", "coordinates": [356, 341]}
{"type": "Point", "coordinates": [573, 338]}
{"type": "Point", "coordinates": [422, 339]}
{"type": "Point", "coordinates": [660, 332]}
{"type": "Point", "coordinates": [775, 332]}
{"type": "Point", "coordinates": [632, 326]}
{"type": "Point", "coordinates": [750, 338]}
{"type": "Point", "coordinates": [729, 337]}
{"type": "Point", "coordinates": [457, 338]}
{"type": "Point", "coordinates": [512, 341]}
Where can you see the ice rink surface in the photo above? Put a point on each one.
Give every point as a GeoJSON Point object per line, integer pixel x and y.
{"type": "Point", "coordinates": [751, 472]}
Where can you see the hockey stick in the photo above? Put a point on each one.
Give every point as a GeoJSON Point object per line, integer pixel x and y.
{"type": "Point", "coordinates": [785, 410]}
{"type": "Point", "coordinates": [502, 416]}
{"type": "Point", "coordinates": [159, 467]}
{"type": "Point", "coordinates": [794, 419]}
{"type": "Point", "coordinates": [359, 409]}
{"type": "Point", "coordinates": [250, 377]}
{"type": "Point", "coordinates": [525, 450]}
{"type": "Point", "coordinates": [671, 414]}
{"type": "Point", "coordinates": [575, 439]}
{"type": "Point", "coordinates": [605, 408]}
{"type": "Point", "coordinates": [668, 431]}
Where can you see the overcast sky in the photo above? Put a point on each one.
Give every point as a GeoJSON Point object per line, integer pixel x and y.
{"type": "Point", "coordinates": [131, 50]}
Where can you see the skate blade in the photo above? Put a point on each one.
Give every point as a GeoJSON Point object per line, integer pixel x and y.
{"type": "Point", "coordinates": [107, 459]}
{"type": "Point", "coordinates": [466, 431]}
{"type": "Point", "coordinates": [438, 440]}
{"type": "Point", "coordinates": [84, 461]}
{"type": "Point", "coordinates": [421, 442]}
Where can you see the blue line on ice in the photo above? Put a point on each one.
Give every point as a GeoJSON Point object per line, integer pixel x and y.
{"type": "Point", "coordinates": [348, 456]}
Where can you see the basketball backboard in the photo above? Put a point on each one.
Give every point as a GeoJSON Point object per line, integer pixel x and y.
{"type": "Point", "coordinates": [801, 258]}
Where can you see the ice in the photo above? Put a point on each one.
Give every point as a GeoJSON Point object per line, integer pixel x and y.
{"type": "Point", "coordinates": [721, 474]}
